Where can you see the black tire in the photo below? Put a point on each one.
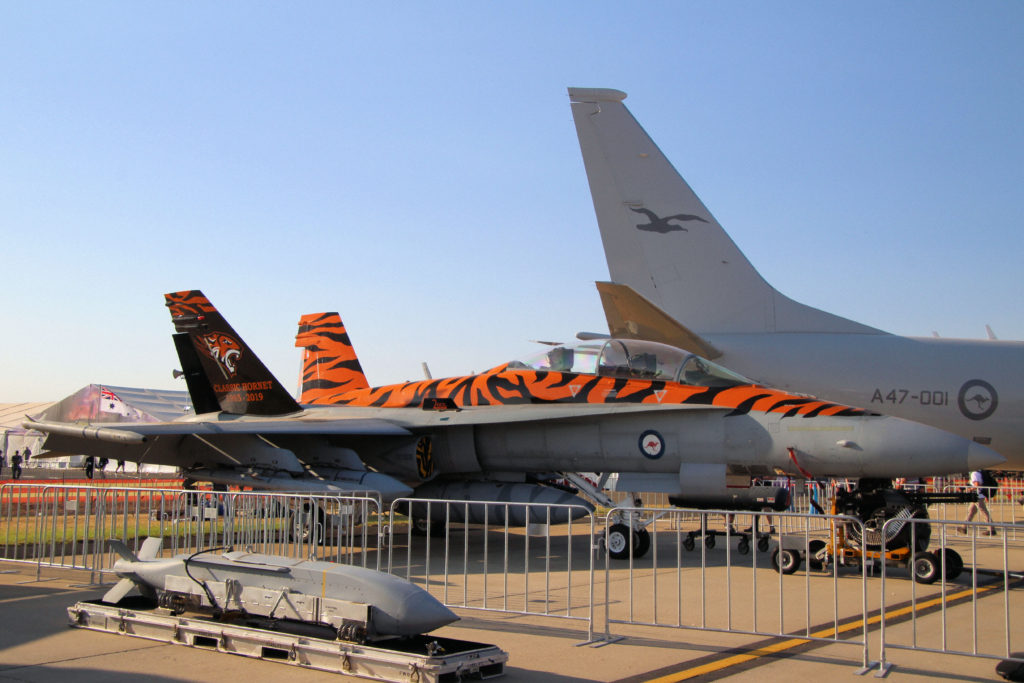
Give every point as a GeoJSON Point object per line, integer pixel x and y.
{"type": "Point", "coordinates": [785, 560]}
{"type": "Point", "coordinates": [309, 526]}
{"type": "Point", "coordinates": [421, 526]}
{"type": "Point", "coordinates": [743, 546]}
{"type": "Point", "coordinates": [763, 544]}
{"type": "Point", "coordinates": [688, 543]}
{"type": "Point", "coordinates": [618, 540]}
{"type": "Point", "coordinates": [709, 540]}
{"type": "Point", "coordinates": [642, 542]}
{"type": "Point", "coordinates": [926, 568]}
{"type": "Point", "coordinates": [813, 548]}
{"type": "Point", "coordinates": [954, 563]}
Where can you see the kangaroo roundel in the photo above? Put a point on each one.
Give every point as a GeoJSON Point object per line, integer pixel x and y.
{"type": "Point", "coordinates": [651, 444]}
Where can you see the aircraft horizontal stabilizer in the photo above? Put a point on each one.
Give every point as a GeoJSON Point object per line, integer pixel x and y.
{"type": "Point", "coordinates": [631, 316]}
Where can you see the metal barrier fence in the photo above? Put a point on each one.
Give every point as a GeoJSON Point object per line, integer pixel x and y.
{"type": "Point", "coordinates": [519, 558]}
{"type": "Point", "coordinates": [533, 559]}
{"type": "Point", "coordinates": [1005, 504]}
{"type": "Point", "coordinates": [68, 526]}
{"type": "Point", "coordinates": [750, 590]}
{"type": "Point", "coordinates": [965, 571]}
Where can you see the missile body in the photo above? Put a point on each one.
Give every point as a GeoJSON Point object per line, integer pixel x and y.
{"type": "Point", "coordinates": [360, 604]}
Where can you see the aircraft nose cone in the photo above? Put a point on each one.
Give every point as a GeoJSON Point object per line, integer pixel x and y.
{"type": "Point", "coordinates": [893, 447]}
{"type": "Point", "coordinates": [980, 457]}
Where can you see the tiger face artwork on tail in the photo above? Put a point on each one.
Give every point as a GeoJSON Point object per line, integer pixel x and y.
{"type": "Point", "coordinates": [223, 349]}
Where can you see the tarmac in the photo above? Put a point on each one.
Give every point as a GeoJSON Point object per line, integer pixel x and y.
{"type": "Point", "coordinates": [36, 644]}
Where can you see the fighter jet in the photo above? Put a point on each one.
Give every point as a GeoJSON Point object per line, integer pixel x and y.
{"type": "Point", "coordinates": [668, 419]}
{"type": "Point", "coordinates": [688, 284]}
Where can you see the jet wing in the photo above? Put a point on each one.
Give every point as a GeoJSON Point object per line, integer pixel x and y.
{"type": "Point", "coordinates": [234, 443]}
{"type": "Point", "coordinates": [140, 432]}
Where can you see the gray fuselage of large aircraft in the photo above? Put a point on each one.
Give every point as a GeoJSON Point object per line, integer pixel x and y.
{"type": "Point", "coordinates": [663, 243]}
{"type": "Point", "coordinates": [974, 388]}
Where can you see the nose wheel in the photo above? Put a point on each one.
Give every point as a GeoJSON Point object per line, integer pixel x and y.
{"type": "Point", "coordinates": [620, 536]}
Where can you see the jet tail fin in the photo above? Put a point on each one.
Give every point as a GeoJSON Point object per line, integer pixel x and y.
{"type": "Point", "coordinates": [240, 382]}
{"type": "Point", "coordinates": [631, 316]}
{"type": "Point", "coordinates": [329, 363]}
{"type": "Point", "coordinates": [662, 241]}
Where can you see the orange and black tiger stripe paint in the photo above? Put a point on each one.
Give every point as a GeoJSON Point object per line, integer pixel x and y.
{"type": "Point", "coordinates": [505, 386]}
{"type": "Point", "coordinates": [188, 303]}
{"type": "Point", "coordinates": [235, 379]}
{"type": "Point", "coordinates": [332, 375]}
{"type": "Point", "coordinates": [329, 363]}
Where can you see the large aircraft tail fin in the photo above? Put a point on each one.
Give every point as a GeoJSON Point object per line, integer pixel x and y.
{"type": "Point", "coordinates": [631, 316]}
{"type": "Point", "coordinates": [240, 382]}
{"type": "Point", "coordinates": [661, 240]}
{"type": "Point", "coordinates": [329, 363]}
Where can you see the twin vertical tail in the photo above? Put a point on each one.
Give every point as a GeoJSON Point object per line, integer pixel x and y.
{"type": "Point", "coordinates": [329, 363]}
{"type": "Point", "coordinates": [220, 370]}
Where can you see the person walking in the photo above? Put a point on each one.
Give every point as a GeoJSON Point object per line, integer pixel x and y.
{"type": "Point", "coordinates": [977, 481]}
{"type": "Point", "coordinates": [16, 465]}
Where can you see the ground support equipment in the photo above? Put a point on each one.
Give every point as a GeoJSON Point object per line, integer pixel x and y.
{"type": "Point", "coordinates": [419, 659]}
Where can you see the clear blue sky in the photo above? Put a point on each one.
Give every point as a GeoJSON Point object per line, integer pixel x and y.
{"type": "Point", "coordinates": [415, 167]}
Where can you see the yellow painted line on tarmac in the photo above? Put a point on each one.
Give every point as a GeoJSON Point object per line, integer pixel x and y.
{"type": "Point", "coordinates": [796, 642]}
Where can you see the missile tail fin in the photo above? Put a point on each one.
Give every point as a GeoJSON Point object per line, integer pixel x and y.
{"type": "Point", "coordinates": [120, 589]}
{"type": "Point", "coordinates": [151, 548]}
{"type": "Point", "coordinates": [122, 550]}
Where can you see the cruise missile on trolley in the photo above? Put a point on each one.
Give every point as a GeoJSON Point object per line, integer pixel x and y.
{"type": "Point", "coordinates": [359, 604]}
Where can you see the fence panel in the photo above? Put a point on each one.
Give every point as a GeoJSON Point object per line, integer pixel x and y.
{"type": "Point", "coordinates": [521, 558]}
{"type": "Point", "coordinates": [703, 573]}
{"type": "Point", "coordinates": [68, 525]}
{"type": "Point", "coordinates": [964, 580]}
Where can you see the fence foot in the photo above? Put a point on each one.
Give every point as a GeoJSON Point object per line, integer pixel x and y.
{"type": "Point", "coordinates": [884, 669]}
{"type": "Point", "coordinates": [866, 668]}
{"type": "Point", "coordinates": [607, 640]}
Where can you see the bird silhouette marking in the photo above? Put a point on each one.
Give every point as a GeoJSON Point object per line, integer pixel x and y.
{"type": "Point", "coordinates": [662, 225]}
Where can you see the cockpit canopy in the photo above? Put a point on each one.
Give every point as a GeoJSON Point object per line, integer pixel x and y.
{"type": "Point", "coordinates": [633, 359]}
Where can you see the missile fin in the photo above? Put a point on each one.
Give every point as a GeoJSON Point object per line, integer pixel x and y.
{"type": "Point", "coordinates": [151, 548]}
{"type": "Point", "coordinates": [123, 551]}
{"type": "Point", "coordinates": [120, 589]}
